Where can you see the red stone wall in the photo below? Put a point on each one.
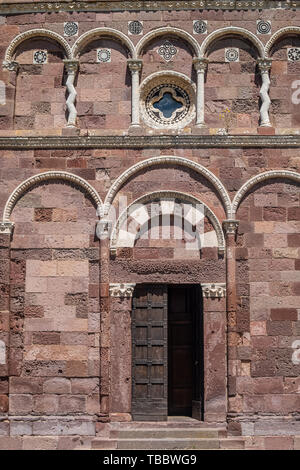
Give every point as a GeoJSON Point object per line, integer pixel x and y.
{"type": "Point", "coordinates": [104, 90]}
{"type": "Point", "coordinates": [54, 304]}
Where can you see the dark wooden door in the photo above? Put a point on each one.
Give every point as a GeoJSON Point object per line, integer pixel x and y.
{"type": "Point", "coordinates": [185, 380]}
{"type": "Point", "coordinates": [150, 353]}
{"type": "Point", "coordinates": [180, 351]}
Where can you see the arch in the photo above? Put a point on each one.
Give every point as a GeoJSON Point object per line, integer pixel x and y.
{"type": "Point", "coordinates": [232, 30]}
{"type": "Point", "coordinates": [96, 33]}
{"type": "Point", "coordinates": [174, 195]}
{"type": "Point", "coordinates": [168, 160]}
{"type": "Point", "coordinates": [168, 30]}
{"type": "Point", "coordinates": [33, 33]}
{"type": "Point", "coordinates": [171, 73]}
{"type": "Point", "coordinates": [292, 175]}
{"type": "Point", "coordinates": [276, 36]}
{"type": "Point", "coordinates": [48, 175]}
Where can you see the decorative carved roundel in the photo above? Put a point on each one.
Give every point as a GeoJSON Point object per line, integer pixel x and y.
{"type": "Point", "coordinates": [263, 27]}
{"type": "Point", "coordinates": [293, 54]}
{"type": "Point", "coordinates": [40, 57]}
{"type": "Point", "coordinates": [167, 102]}
{"type": "Point", "coordinates": [167, 51]}
{"type": "Point", "coordinates": [70, 28]}
{"type": "Point", "coordinates": [135, 27]}
{"type": "Point", "coordinates": [103, 55]}
{"type": "Point", "coordinates": [200, 26]}
{"type": "Point", "coordinates": [232, 54]}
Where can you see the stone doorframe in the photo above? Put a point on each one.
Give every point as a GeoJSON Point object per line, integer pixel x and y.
{"type": "Point", "coordinates": [215, 351]}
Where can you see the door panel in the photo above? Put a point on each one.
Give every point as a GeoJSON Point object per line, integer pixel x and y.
{"type": "Point", "coordinates": [184, 348]}
{"type": "Point", "coordinates": [149, 353]}
{"type": "Point", "coordinates": [167, 352]}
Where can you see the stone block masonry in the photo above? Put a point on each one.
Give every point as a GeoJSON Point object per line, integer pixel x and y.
{"type": "Point", "coordinates": [83, 128]}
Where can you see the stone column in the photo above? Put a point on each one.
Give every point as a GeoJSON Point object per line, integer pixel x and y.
{"type": "Point", "coordinates": [5, 240]}
{"type": "Point", "coordinates": [264, 66]}
{"type": "Point", "coordinates": [230, 228]}
{"type": "Point", "coordinates": [200, 66]}
{"type": "Point", "coordinates": [135, 66]}
{"type": "Point", "coordinates": [215, 367]}
{"type": "Point", "coordinates": [11, 87]}
{"type": "Point", "coordinates": [103, 233]}
{"type": "Point", "coordinates": [71, 68]}
{"type": "Point", "coordinates": [121, 351]}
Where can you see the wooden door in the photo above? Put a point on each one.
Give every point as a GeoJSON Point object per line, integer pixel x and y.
{"type": "Point", "coordinates": [180, 351]}
{"type": "Point", "coordinates": [149, 354]}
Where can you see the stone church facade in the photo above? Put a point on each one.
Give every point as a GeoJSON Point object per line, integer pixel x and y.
{"type": "Point", "coordinates": [109, 110]}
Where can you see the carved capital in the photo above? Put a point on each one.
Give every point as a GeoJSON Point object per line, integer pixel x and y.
{"type": "Point", "coordinates": [12, 66]}
{"type": "Point", "coordinates": [200, 65]}
{"type": "Point", "coordinates": [6, 227]}
{"type": "Point", "coordinates": [135, 65]}
{"type": "Point", "coordinates": [230, 226]}
{"type": "Point", "coordinates": [121, 290]}
{"type": "Point", "coordinates": [214, 291]}
{"type": "Point", "coordinates": [71, 65]}
{"type": "Point", "coordinates": [103, 229]}
{"type": "Point", "coordinates": [264, 65]}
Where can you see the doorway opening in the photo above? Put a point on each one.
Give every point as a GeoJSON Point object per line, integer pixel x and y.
{"type": "Point", "coordinates": [167, 352]}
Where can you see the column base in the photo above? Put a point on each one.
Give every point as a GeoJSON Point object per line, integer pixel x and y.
{"type": "Point", "coordinates": [266, 130]}
{"type": "Point", "coordinates": [70, 130]}
{"type": "Point", "coordinates": [135, 129]}
{"type": "Point", "coordinates": [200, 129]}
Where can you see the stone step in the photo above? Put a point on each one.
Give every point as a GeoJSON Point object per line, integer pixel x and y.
{"type": "Point", "coordinates": [166, 433]}
{"type": "Point", "coordinates": [168, 444]}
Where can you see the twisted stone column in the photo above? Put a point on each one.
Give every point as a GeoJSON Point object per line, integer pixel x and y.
{"type": "Point", "coordinates": [200, 66]}
{"type": "Point", "coordinates": [264, 66]}
{"type": "Point", "coordinates": [71, 68]}
{"type": "Point", "coordinates": [135, 66]}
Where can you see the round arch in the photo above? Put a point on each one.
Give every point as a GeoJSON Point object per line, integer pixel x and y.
{"type": "Point", "coordinates": [48, 175]}
{"type": "Point", "coordinates": [292, 175]}
{"type": "Point", "coordinates": [168, 30]}
{"type": "Point", "coordinates": [34, 33]}
{"type": "Point", "coordinates": [222, 192]}
{"type": "Point", "coordinates": [96, 33]}
{"type": "Point", "coordinates": [183, 197]}
{"type": "Point", "coordinates": [279, 34]}
{"type": "Point", "coordinates": [232, 30]}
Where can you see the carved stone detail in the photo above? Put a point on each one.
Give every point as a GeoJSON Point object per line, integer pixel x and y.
{"type": "Point", "coordinates": [264, 66]}
{"type": "Point", "coordinates": [6, 227]}
{"type": "Point", "coordinates": [149, 141]}
{"type": "Point", "coordinates": [150, 5]}
{"type": "Point", "coordinates": [121, 290]}
{"type": "Point", "coordinates": [214, 291]}
{"type": "Point", "coordinates": [103, 229]}
{"type": "Point", "coordinates": [230, 226]}
{"type": "Point", "coordinates": [71, 68]}
{"type": "Point", "coordinates": [12, 66]}
{"type": "Point", "coordinates": [48, 175]}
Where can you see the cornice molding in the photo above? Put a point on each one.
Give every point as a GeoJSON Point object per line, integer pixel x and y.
{"type": "Point", "coordinates": [158, 141]}
{"type": "Point", "coordinates": [150, 5]}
